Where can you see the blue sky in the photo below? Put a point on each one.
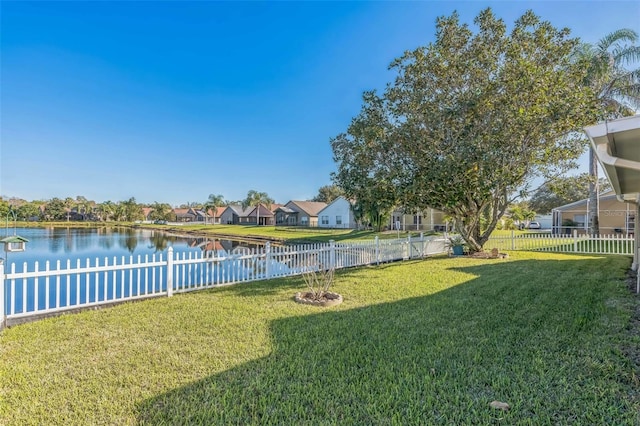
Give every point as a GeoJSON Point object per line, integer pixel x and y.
{"type": "Point", "coordinates": [172, 101]}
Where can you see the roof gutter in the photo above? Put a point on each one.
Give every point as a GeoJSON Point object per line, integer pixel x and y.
{"type": "Point", "coordinates": [603, 141]}
{"type": "Point", "coordinates": [617, 162]}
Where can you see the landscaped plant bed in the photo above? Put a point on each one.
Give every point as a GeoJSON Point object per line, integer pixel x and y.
{"type": "Point", "coordinates": [493, 254]}
{"type": "Point", "coordinates": [326, 300]}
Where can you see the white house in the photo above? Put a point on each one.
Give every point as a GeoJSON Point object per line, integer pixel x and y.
{"type": "Point", "coordinates": [338, 214]}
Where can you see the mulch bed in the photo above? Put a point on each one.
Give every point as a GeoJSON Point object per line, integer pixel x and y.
{"type": "Point", "coordinates": [328, 299]}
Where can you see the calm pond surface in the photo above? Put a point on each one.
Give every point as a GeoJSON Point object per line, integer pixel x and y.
{"type": "Point", "coordinates": [52, 244]}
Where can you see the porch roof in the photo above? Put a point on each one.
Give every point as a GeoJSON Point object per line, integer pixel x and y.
{"type": "Point", "coordinates": [617, 146]}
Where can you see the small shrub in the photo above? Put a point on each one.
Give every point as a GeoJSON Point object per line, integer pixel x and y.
{"type": "Point", "coordinates": [318, 281]}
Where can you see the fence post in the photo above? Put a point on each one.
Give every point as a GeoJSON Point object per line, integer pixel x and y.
{"type": "Point", "coordinates": [409, 248]}
{"type": "Point", "coordinates": [422, 248]}
{"type": "Point", "coordinates": [3, 305]}
{"type": "Point", "coordinates": [513, 239]}
{"type": "Point", "coordinates": [575, 240]}
{"type": "Point", "coordinates": [332, 254]}
{"type": "Point", "coordinates": [377, 240]}
{"type": "Point", "coordinates": [170, 272]}
{"type": "Point", "coordinates": [267, 260]}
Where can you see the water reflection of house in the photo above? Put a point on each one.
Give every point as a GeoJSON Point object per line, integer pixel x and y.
{"type": "Point", "coordinates": [615, 216]}
{"type": "Point", "coordinates": [211, 248]}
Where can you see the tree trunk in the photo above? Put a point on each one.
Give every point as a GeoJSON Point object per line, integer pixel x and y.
{"type": "Point", "coordinates": [594, 194]}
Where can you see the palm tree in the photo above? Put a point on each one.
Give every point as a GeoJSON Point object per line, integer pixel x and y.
{"type": "Point", "coordinates": [119, 212]}
{"type": "Point", "coordinates": [160, 211]}
{"type": "Point", "coordinates": [616, 88]}
{"type": "Point", "coordinates": [212, 203]}
{"type": "Point", "coordinates": [106, 210]}
{"type": "Point", "coordinates": [255, 198]}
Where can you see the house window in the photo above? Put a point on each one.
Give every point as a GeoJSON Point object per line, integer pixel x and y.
{"type": "Point", "coordinates": [338, 220]}
{"type": "Point", "coordinates": [417, 220]}
{"type": "Point", "coordinates": [325, 220]}
{"type": "Point", "coordinates": [579, 219]}
{"type": "Point", "coordinates": [304, 220]}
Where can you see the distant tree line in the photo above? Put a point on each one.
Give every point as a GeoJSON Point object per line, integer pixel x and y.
{"type": "Point", "coordinates": [83, 209]}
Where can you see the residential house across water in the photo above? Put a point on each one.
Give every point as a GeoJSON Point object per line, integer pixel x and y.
{"type": "Point", "coordinates": [338, 214]}
{"type": "Point", "coordinates": [299, 213]}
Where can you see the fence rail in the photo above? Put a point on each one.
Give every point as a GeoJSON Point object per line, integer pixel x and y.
{"type": "Point", "coordinates": [571, 243]}
{"type": "Point", "coordinates": [36, 291]}
{"type": "Point", "coordinates": [46, 289]}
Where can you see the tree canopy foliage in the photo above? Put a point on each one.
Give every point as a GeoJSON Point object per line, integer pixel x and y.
{"type": "Point", "coordinates": [469, 120]}
{"type": "Point", "coordinates": [563, 191]}
{"type": "Point", "coordinates": [616, 88]}
{"type": "Point", "coordinates": [328, 193]}
{"type": "Point", "coordinates": [255, 197]}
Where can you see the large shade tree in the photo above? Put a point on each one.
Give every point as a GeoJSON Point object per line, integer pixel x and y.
{"type": "Point", "coordinates": [55, 209]}
{"type": "Point", "coordinates": [367, 169]}
{"type": "Point", "coordinates": [472, 117]}
{"type": "Point", "coordinates": [616, 88]}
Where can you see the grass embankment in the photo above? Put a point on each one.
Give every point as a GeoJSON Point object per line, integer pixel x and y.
{"type": "Point", "coordinates": [251, 232]}
{"type": "Point", "coordinates": [283, 234]}
{"type": "Point", "coordinates": [424, 342]}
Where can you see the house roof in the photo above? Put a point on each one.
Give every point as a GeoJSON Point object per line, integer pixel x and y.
{"type": "Point", "coordinates": [276, 206]}
{"type": "Point", "coordinates": [312, 208]}
{"type": "Point", "coordinates": [604, 197]}
{"type": "Point", "coordinates": [285, 210]}
{"type": "Point", "coordinates": [617, 146]}
{"type": "Point", "coordinates": [238, 210]}
{"type": "Point", "coordinates": [335, 201]}
{"type": "Point", "coordinates": [263, 211]}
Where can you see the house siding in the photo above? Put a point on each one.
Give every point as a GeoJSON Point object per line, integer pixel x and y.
{"type": "Point", "coordinates": [428, 220]}
{"type": "Point", "coordinates": [616, 217]}
{"type": "Point", "coordinates": [339, 208]}
{"type": "Point", "coordinates": [303, 217]}
{"type": "Point", "coordinates": [229, 217]}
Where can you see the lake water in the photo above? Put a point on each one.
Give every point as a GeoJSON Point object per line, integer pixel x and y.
{"type": "Point", "coordinates": [52, 244]}
{"type": "Point", "coordinates": [101, 246]}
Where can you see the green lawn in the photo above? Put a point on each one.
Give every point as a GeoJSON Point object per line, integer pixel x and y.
{"type": "Point", "coordinates": [422, 342]}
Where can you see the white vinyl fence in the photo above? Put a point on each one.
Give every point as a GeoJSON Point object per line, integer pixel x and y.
{"type": "Point", "coordinates": [37, 290]}
{"type": "Point", "coordinates": [585, 244]}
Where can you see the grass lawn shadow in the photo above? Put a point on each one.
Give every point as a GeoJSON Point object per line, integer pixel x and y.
{"type": "Point", "coordinates": [543, 346]}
